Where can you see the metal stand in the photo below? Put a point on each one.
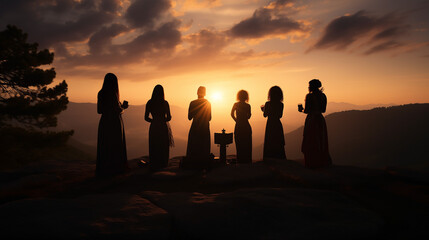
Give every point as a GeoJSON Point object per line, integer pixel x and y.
{"type": "Point", "coordinates": [223, 139]}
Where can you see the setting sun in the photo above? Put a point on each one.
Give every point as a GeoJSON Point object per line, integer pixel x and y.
{"type": "Point", "coordinates": [216, 97]}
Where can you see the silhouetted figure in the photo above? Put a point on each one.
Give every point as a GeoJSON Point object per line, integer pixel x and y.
{"type": "Point", "coordinates": [160, 137]}
{"type": "Point", "coordinates": [274, 144]}
{"type": "Point", "coordinates": [315, 141]}
{"type": "Point", "coordinates": [111, 146]}
{"type": "Point", "coordinates": [198, 150]}
{"type": "Point", "coordinates": [241, 113]}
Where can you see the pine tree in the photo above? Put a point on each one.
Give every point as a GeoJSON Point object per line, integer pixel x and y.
{"type": "Point", "coordinates": [27, 100]}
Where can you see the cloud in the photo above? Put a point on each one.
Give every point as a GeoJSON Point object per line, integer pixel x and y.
{"type": "Point", "coordinates": [211, 50]}
{"type": "Point", "coordinates": [143, 13]}
{"type": "Point", "coordinates": [101, 41]}
{"type": "Point", "coordinates": [199, 4]}
{"type": "Point", "coordinates": [111, 6]}
{"type": "Point", "coordinates": [383, 47]}
{"type": "Point", "coordinates": [375, 34]}
{"type": "Point", "coordinates": [149, 44]}
{"type": "Point", "coordinates": [157, 41]}
{"type": "Point", "coordinates": [345, 30]}
{"type": "Point", "coordinates": [270, 20]}
{"type": "Point", "coordinates": [390, 32]}
{"type": "Point", "coordinates": [97, 33]}
{"type": "Point", "coordinates": [51, 22]}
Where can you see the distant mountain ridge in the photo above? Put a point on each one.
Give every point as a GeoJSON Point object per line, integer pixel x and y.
{"type": "Point", "coordinates": [385, 136]}
{"type": "Point", "coordinates": [395, 136]}
{"type": "Point", "coordinates": [83, 118]}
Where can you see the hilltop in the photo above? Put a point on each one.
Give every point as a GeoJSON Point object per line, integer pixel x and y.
{"type": "Point", "coordinates": [275, 200]}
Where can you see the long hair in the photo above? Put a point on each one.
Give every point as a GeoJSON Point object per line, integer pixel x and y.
{"type": "Point", "coordinates": [275, 94]}
{"type": "Point", "coordinates": [158, 94]}
{"type": "Point", "coordinates": [110, 85]}
{"type": "Point", "coordinates": [243, 96]}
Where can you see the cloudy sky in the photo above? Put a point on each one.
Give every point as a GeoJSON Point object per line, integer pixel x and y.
{"type": "Point", "coordinates": [363, 51]}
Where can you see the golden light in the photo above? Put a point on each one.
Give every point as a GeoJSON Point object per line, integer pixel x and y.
{"type": "Point", "coordinates": [216, 97]}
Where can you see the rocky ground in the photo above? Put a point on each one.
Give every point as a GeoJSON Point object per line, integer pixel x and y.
{"type": "Point", "coordinates": [273, 200]}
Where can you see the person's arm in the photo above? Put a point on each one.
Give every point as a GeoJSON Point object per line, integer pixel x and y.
{"type": "Point", "coordinates": [210, 110]}
{"type": "Point", "coordinates": [324, 102]}
{"type": "Point", "coordinates": [281, 110]}
{"type": "Point", "coordinates": [234, 108]}
{"type": "Point", "coordinates": [266, 109]}
{"type": "Point", "coordinates": [167, 106]}
{"type": "Point", "coordinates": [191, 112]}
{"type": "Point", "coordinates": [250, 112]}
{"type": "Point", "coordinates": [307, 107]}
{"type": "Point", "coordinates": [118, 107]}
{"type": "Point", "coordinates": [99, 104]}
{"type": "Point", "coordinates": [146, 113]}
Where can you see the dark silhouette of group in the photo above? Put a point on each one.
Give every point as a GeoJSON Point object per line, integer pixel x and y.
{"type": "Point", "coordinates": [111, 147]}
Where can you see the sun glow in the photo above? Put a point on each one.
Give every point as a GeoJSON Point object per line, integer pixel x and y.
{"type": "Point", "coordinates": [216, 97]}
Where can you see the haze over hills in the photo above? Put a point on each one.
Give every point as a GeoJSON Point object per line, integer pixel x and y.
{"type": "Point", "coordinates": [83, 119]}
{"type": "Point", "coordinates": [392, 136]}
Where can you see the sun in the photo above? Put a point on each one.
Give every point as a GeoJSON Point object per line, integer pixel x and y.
{"type": "Point", "coordinates": [216, 97]}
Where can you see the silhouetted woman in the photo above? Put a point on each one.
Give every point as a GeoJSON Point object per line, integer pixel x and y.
{"type": "Point", "coordinates": [315, 141]}
{"type": "Point", "coordinates": [198, 150]}
{"type": "Point", "coordinates": [241, 113]}
{"type": "Point", "coordinates": [274, 144]}
{"type": "Point", "coordinates": [160, 137]}
{"type": "Point", "coordinates": [111, 147]}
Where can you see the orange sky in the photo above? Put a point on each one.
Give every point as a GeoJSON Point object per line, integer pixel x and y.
{"type": "Point", "coordinates": [363, 51]}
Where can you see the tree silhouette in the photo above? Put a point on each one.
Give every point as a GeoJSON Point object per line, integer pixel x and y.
{"type": "Point", "coordinates": [26, 99]}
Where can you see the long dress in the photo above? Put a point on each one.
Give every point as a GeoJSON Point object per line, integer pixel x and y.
{"type": "Point", "coordinates": [160, 137]}
{"type": "Point", "coordinates": [274, 143]}
{"type": "Point", "coordinates": [111, 146]}
{"type": "Point", "coordinates": [198, 149]}
{"type": "Point", "coordinates": [315, 142]}
{"type": "Point", "coordinates": [243, 132]}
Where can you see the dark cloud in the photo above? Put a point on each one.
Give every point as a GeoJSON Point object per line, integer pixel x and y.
{"type": "Point", "coordinates": [143, 13]}
{"type": "Point", "coordinates": [266, 21]}
{"type": "Point", "coordinates": [149, 44]}
{"type": "Point", "coordinates": [391, 32]}
{"type": "Point", "coordinates": [208, 42]}
{"type": "Point", "coordinates": [206, 51]}
{"type": "Point", "coordinates": [262, 23]}
{"type": "Point", "coordinates": [281, 3]}
{"type": "Point", "coordinates": [345, 30]}
{"type": "Point", "coordinates": [51, 22]}
{"type": "Point", "coordinates": [96, 23]}
{"type": "Point", "coordinates": [379, 33]}
{"type": "Point", "coordinates": [101, 41]}
{"type": "Point", "coordinates": [165, 38]}
{"type": "Point", "coordinates": [384, 47]}
{"type": "Point", "coordinates": [112, 6]}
